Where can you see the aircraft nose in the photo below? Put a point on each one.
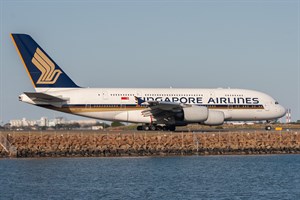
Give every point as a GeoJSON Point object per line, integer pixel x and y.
{"type": "Point", "coordinates": [281, 111]}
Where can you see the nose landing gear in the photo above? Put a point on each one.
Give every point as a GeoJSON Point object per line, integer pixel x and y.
{"type": "Point", "coordinates": [268, 128]}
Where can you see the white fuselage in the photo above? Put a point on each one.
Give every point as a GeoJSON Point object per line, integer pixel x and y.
{"type": "Point", "coordinates": [120, 104]}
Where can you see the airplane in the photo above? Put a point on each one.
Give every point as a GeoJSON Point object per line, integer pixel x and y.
{"type": "Point", "coordinates": [154, 108]}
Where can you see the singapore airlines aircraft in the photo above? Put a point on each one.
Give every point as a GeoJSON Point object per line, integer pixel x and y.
{"type": "Point", "coordinates": [155, 108]}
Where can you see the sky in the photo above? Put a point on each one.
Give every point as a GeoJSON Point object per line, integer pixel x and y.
{"type": "Point", "coordinates": [195, 44]}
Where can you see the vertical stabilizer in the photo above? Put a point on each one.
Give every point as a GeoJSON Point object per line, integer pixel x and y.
{"type": "Point", "coordinates": [41, 69]}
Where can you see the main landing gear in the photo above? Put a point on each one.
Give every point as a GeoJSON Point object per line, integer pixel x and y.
{"type": "Point", "coordinates": [152, 127]}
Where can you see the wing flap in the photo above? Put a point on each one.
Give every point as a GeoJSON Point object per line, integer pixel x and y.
{"type": "Point", "coordinates": [162, 111]}
{"type": "Point", "coordinates": [163, 105]}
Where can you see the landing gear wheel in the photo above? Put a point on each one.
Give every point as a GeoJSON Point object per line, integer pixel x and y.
{"type": "Point", "coordinates": [152, 128]}
{"type": "Point", "coordinates": [159, 128]}
{"type": "Point", "coordinates": [172, 128]}
{"type": "Point", "coordinates": [146, 128]}
{"type": "Point", "coordinates": [268, 128]}
{"type": "Point", "coordinates": [139, 128]}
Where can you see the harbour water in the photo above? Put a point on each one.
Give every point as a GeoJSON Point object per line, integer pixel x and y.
{"type": "Point", "coordinates": [190, 177]}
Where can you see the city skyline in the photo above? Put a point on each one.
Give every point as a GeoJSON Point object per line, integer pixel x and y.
{"type": "Point", "coordinates": [44, 121]}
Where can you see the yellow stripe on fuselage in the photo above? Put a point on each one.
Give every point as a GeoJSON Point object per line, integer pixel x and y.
{"type": "Point", "coordinates": [85, 109]}
{"type": "Point", "coordinates": [75, 110]}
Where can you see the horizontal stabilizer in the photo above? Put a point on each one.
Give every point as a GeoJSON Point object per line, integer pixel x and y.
{"type": "Point", "coordinates": [38, 96]}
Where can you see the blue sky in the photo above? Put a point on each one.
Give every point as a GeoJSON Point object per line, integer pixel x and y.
{"type": "Point", "coordinates": [197, 44]}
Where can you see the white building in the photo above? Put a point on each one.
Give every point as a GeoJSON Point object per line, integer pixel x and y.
{"type": "Point", "coordinates": [96, 128]}
{"type": "Point", "coordinates": [23, 122]}
{"type": "Point", "coordinates": [44, 121]}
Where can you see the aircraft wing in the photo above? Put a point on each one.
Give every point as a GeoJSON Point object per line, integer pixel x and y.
{"type": "Point", "coordinates": [39, 96]}
{"type": "Point", "coordinates": [161, 109]}
{"type": "Point", "coordinates": [163, 105]}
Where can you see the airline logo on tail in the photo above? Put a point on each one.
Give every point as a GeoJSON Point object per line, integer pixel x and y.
{"type": "Point", "coordinates": [49, 74]}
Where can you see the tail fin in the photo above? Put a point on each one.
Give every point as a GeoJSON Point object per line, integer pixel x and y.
{"type": "Point", "coordinates": [42, 70]}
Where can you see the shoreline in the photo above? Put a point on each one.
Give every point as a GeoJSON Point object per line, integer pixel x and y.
{"type": "Point", "coordinates": [45, 144]}
{"type": "Point", "coordinates": [146, 157]}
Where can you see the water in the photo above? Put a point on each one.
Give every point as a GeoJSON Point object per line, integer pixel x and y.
{"type": "Point", "coordinates": [196, 177]}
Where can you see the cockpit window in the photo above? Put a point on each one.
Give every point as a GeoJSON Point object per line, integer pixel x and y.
{"type": "Point", "coordinates": [276, 102]}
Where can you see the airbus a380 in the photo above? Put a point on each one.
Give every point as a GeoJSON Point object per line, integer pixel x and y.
{"type": "Point", "coordinates": [155, 108]}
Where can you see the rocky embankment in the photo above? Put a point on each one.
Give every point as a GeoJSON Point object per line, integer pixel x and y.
{"type": "Point", "coordinates": [105, 144]}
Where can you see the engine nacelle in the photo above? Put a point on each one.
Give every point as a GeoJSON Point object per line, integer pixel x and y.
{"type": "Point", "coordinates": [215, 118]}
{"type": "Point", "coordinates": [195, 114]}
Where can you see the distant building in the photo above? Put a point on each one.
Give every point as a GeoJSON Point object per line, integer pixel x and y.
{"type": "Point", "coordinates": [84, 122]}
{"type": "Point", "coordinates": [15, 123]}
{"type": "Point", "coordinates": [96, 128]}
{"type": "Point", "coordinates": [45, 122]}
{"type": "Point", "coordinates": [22, 123]}
{"type": "Point", "coordinates": [57, 121]}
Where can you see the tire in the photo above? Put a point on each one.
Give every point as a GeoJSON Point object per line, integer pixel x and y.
{"type": "Point", "coordinates": [172, 128]}
{"type": "Point", "coordinates": [146, 128]}
{"type": "Point", "coordinates": [152, 128]}
{"type": "Point", "coordinates": [268, 128]}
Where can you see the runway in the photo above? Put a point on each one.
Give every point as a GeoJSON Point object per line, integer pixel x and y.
{"type": "Point", "coordinates": [223, 129]}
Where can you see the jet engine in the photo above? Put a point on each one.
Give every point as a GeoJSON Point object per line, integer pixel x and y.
{"type": "Point", "coordinates": [214, 118]}
{"type": "Point", "coordinates": [195, 114]}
